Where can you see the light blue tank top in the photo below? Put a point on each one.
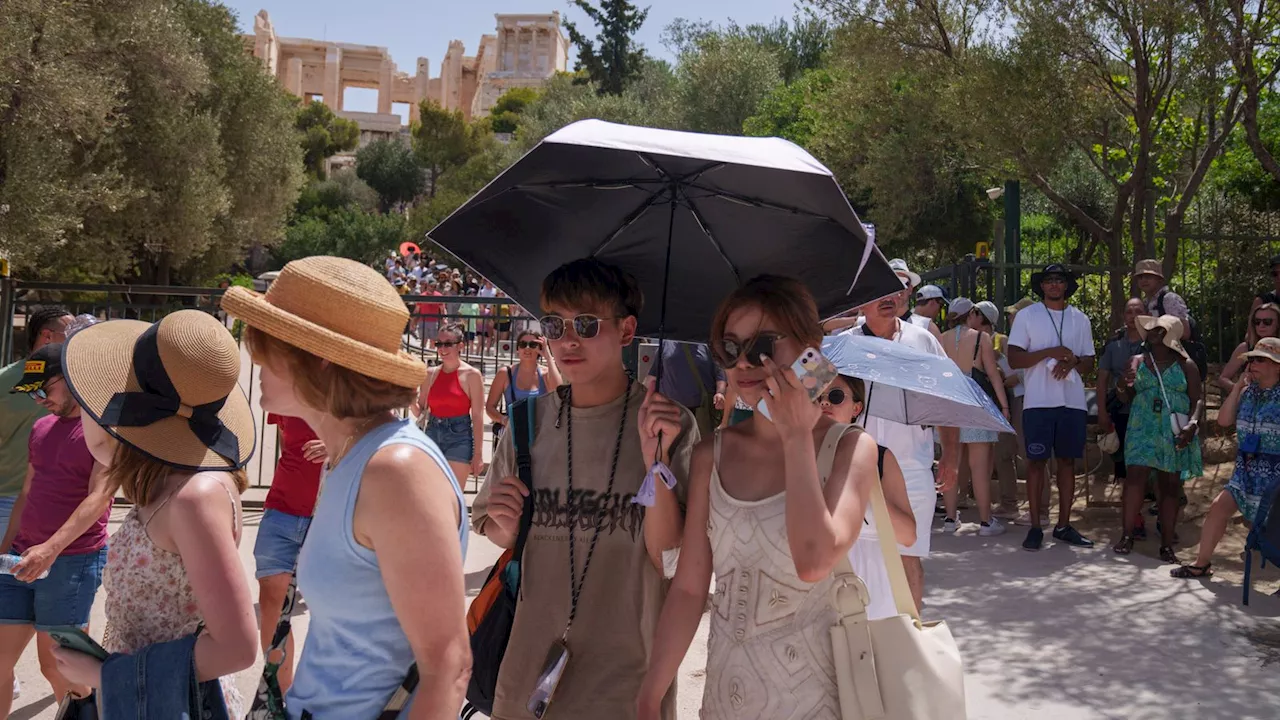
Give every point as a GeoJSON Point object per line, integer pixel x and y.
{"type": "Point", "coordinates": [515, 394]}
{"type": "Point", "coordinates": [355, 655]}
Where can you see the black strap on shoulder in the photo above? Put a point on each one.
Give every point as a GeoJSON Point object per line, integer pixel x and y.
{"type": "Point", "coordinates": [523, 425]}
{"type": "Point", "coordinates": [1160, 302]}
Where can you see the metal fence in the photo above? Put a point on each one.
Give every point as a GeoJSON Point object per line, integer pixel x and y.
{"type": "Point", "coordinates": [492, 326]}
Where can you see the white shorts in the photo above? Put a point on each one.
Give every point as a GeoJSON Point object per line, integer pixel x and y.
{"type": "Point", "coordinates": [868, 564]}
{"type": "Point", "coordinates": [923, 498]}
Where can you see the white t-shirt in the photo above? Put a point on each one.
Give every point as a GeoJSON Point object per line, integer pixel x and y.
{"type": "Point", "coordinates": [911, 444]}
{"type": "Point", "coordinates": [1039, 328]}
{"type": "Point", "coordinates": [920, 321]}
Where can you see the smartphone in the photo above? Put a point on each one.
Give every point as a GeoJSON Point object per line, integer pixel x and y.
{"type": "Point", "coordinates": [548, 679]}
{"type": "Point", "coordinates": [646, 356]}
{"type": "Point", "coordinates": [815, 372]}
{"type": "Point", "coordinates": [73, 638]}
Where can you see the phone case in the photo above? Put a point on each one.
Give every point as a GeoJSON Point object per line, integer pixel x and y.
{"type": "Point", "coordinates": [74, 638]}
{"type": "Point", "coordinates": [815, 371]}
{"type": "Point", "coordinates": [548, 680]}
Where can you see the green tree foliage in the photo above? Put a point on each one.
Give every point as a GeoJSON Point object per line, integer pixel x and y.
{"type": "Point", "coordinates": [722, 80]}
{"type": "Point", "coordinates": [390, 167]}
{"type": "Point", "coordinates": [165, 149]}
{"type": "Point", "coordinates": [799, 46]}
{"type": "Point", "coordinates": [350, 233]}
{"type": "Point", "coordinates": [793, 111]}
{"type": "Point", "coordinates": [442, 139]}
{"type": "Point", "coordinates": [324, 135]}
{"type": "Point", "coordinates": [505, 116]}
{"type": "Point", "coordinates": [617, 60]}
{"type": "Point", "coordinates": [344, 190]}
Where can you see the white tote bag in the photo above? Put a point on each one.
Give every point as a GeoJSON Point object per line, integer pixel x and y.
{"type": "Point", "coordinates": [896, 668]}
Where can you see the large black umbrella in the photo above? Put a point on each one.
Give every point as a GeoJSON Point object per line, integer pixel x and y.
{"type": "Point", "coordinates": [691, 216]}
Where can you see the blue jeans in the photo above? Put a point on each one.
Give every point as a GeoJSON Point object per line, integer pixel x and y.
{"type": "Point", "coordinates": [280, 537]}
{"type": "Point", "coordinates": [65, 597]}
{"type": "Point", "coordinates": [453, 437]}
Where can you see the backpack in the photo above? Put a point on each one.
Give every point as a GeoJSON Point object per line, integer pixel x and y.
{"type": "Point", "coordinates": [493, 612]}
{"type": "Point", "coordinates": [1193, 344]}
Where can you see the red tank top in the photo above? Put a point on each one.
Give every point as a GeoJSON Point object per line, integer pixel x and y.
{"type": "Point", "coordinates": [446, 398]}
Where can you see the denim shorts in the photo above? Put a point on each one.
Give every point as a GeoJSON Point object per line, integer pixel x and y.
{"type": "Point", "coordinates": [63, 598]}
{"type": "Point", "coordinates": [280, 536]}
{"type": "Point", "coordinates": [453, 437]}
{"type": "Point", "coordinates": [1057, 432]}
{"type": "Point", "coordinates": [6, 509]}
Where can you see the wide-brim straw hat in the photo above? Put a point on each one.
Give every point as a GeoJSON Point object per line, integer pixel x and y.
{"type": "Point", "coordinates": [1173, 330]}
{"type": "Point", "coordinates": [168, 389]}
{"type": "Point", "coordinates": [1267, 349]}
{"type": "Point", "coordinates": [338, 310]}
{"type": "Point", "coordinates": [1019, 306]}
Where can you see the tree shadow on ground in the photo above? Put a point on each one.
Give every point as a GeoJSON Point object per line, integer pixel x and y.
{"type": "Point", "coordinates": [1116, 637]}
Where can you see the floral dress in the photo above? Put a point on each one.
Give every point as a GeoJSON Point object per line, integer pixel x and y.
{"type": "Point", "coordinates": [149, 599]}
{"type": "Point", "coordinates": [1258, 458]}
{"type": "Point", "coordinates": [1149, 440]}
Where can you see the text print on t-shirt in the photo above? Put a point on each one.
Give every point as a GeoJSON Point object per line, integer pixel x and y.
{"type": "Point", "coordinates": [584, 507]}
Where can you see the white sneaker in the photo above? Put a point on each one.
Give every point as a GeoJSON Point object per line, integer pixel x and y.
{"type": "Point", "coordinates": [950, 525]}
{"type": "Point", "coordinates": [17, 689]}
{"type": "Point", "coordinates": [995, 527]}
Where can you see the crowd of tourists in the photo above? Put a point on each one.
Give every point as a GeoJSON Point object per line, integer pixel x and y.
{"type": "Point", "coordinates": [763, 509]}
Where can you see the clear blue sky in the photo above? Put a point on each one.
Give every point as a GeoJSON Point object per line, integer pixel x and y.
{"type": "Point", "coordinates": [413, 28]}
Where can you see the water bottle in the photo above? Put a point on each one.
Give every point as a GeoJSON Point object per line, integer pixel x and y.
{"type": "Point", "coordinates": [9, 561]}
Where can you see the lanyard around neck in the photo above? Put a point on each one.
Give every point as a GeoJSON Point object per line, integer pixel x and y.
{"type": "Point", "coordinates": [1057, 327]}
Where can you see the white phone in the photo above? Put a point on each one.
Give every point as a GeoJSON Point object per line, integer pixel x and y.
{"type": "Point", "coordinates": [646, 356]}
{"type": "Point", "coordinates": [815, 372]}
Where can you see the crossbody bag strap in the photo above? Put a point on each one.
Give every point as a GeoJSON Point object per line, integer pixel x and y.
{"type": "Point", "coordinates": [826, 460]}
{"type": "Point", "coordinates": [522, 415]}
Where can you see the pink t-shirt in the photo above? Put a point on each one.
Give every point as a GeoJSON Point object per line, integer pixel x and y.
{"type": "Point", "coordinates": [62, 465]}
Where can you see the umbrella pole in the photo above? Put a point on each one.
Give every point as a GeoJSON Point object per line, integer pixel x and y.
{"type": "Point", "coordinates": [666, 281]}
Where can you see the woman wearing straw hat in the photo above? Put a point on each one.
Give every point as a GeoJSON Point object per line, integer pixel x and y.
{"type": "Point", "coordinates": [162, 412]}
{"type": "Point", "coordinates": [381, 566]}
{"type": "Point", "coordinates": [1253, 407]}
{"type": "Point", "coordinates": [1163, 390]}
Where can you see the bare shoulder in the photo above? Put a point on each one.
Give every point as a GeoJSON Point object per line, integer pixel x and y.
{"type": "Point", "coordinates": [203, 489]}
{"type": "Point", "coordinates": [401, 463]}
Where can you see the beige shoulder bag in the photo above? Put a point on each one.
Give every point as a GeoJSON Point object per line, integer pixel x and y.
{"type": "Point", "coordinates": [897, 668]}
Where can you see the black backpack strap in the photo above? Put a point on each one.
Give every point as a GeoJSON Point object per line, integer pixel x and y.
{"type": "Point", "coordinates": [1160, 302]}
{"type": "Point", "coordinates": [523, 426]}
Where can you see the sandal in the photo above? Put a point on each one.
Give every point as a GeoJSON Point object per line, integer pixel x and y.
{"type": "Point", "coordinates": [1186, 572]}
{"type": "Point", "coordinates": [1168, 555]}
{"type": "Point", "coordinates": [1124, 546]}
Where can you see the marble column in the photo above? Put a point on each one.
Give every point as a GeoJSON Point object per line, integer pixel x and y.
{"type": "Point", "coordinates": [333, 78]}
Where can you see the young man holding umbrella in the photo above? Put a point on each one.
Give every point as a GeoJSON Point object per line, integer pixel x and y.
{"type": "Point", "coordinates": [592, 570]}
{"type": "Point", "coordinates": [1054, 343]}
{"type": "Point", "coordinates": [911, 444]}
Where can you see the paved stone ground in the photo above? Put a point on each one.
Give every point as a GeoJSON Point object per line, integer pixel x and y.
{"type": "Point", "coordinates": [1064, 633]}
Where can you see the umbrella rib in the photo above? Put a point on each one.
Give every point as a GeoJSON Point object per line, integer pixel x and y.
{"type": "Point", "coordinates": [706, 230]}
{"type": "Point", "coordinates": [755, 202]}
{"type": "Point", "coordinates": [627, 222]}
{"type": "Point", "coordinates": [597, 184]}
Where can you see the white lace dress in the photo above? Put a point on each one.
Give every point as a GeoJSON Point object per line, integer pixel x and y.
{"type": "Point", "coordinates": [769, 651]}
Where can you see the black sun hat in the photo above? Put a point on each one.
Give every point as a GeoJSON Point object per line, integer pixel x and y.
{"type": "Point", "coordinates": [1073, 283]}
{"type": "Point", "coordinates": [43, 365]}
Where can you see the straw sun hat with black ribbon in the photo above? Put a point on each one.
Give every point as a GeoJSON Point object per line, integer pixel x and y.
{"type": "Point", "coordinates": [1173, 330]}
{"type": "Point", "coordinates": [168, 389]}
{"type": "Point", "coordinates": [338, 310]}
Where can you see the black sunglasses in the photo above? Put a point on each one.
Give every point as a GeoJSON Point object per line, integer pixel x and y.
{"type": "Point", "coordinates": [529, 345]}
{"type": "Point", "coordinates": [586, 326]}
{"type": "Point", "coordinates": [731, 350]}
{"type": "Point", "coordinates": [1264, 322]}
{"type": "Point", "coordinates": [447, 344]}
{"type": "Point", "coordinates": [42, 393]}
{"type": "Point", "coordinates": [835, 396]}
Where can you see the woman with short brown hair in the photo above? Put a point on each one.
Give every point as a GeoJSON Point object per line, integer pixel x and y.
{"type": "Point", "coordinates": [381, 566]}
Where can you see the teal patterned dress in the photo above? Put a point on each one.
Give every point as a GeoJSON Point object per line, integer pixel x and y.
{"type": "Point", "coordinates": [1149, 441]}
{"type": "Point", "coordinates": [1258, 458]}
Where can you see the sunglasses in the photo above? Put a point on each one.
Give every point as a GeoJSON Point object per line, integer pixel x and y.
{"type": "Point", "coordinates": [42, 393]}
{"type": "Point", "coordinates": [835, 396]}
{"type": "Point", "coordinates": [446, 344]}
{"type": "Point", "coordinates": [731, 350]}
{"type": "Point", "coordinates": [529, 345]}
{"type": "Point", "coordinates": [1264, 322]}
{"type": "Point", "coordinates": [1256, 359]}
{"type": "Point", "coordinates": [1054, 280]}
{"type": "Point", "coordinates": [585, 326]}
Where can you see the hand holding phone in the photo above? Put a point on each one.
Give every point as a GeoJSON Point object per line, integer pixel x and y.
{"type": "Point", "coordinates": [73, 638]}
{"type": "Point", "coordinates": [794, 395]}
